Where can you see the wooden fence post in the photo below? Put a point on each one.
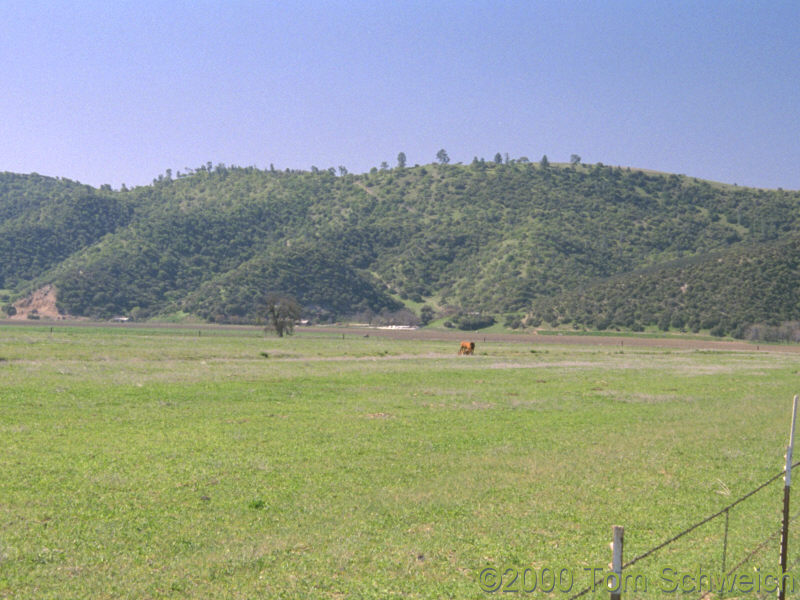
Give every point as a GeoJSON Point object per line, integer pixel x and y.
{"type": "Point", "coordinates": [787, 478]}
{"type": "Point", "coordinates": [618, 534]}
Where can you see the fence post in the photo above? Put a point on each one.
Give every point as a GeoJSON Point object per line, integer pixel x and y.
{"type": "Point", "coordinates": [724, 550]}
{"type": "Point", "coordinates": [725, 540]}
{"type": "Point", "coordinates": [787, 478]}
{"type": "Point", "coordinates": [618, 534]}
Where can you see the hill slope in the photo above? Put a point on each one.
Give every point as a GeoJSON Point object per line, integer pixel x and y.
{"type": "Point", "coordinates": [482, 237]}
{"type": "Point", "coordinates": [45, 220]}
{"type": "Point", "coordinates": [722, 292]}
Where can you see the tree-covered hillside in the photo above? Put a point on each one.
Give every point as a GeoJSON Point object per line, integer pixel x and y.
{"type": "Point", "coordinates": [723, 292]}
{"type": "Point", "coordinates": [327, 285]}
{"type": "Point", "coordinates": [487, 236]}
{"type": "Point", "coordinates": [45, 220]}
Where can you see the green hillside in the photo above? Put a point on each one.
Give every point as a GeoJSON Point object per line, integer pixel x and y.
{"type": "Point", "coordinates": [498, 238]}
{"type": "Point", "coordinates": [45, 220]}
{"type": "Point", "coordinates": [722, 292]}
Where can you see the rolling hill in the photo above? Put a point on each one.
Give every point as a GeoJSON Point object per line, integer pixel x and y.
{"type": "Point", "coordinates": [585, 244]}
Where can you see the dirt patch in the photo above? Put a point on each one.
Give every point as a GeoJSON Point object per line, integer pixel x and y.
{"type": "Point", "coordinates": [549, 365]}
{"type": "Point", "coordinates": [379, 415]}
{"type": "Point", "coordinates": [645, 398]}
{"type": "Point", "coordinates": [40, 304]}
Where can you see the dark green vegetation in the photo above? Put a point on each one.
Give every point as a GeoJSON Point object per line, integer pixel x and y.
{"type": "Point", "coordinates": [557, 243]}
{"type": "Point", "coordinates": [43, 221]}
{"type": "Point", "coordinates": [156, 463]}
{"type": "Point", "coordinates": [724, 292]}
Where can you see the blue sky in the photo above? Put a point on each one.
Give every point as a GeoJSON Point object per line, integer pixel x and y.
{"type": "Point", "coordinates": [113, 91]}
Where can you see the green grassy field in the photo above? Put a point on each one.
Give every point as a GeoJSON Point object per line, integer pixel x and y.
{"type": "Point", "coordinates": [159, 463]}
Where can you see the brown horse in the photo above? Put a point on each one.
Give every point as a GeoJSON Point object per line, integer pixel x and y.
{"type": "Point", "coordinates": [467, 348]}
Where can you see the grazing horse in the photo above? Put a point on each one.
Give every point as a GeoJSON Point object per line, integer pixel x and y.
{"type": "Point", "coordinates": [467, 348]}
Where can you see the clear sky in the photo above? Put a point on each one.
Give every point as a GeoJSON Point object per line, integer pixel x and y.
{"type": "Point", "coordinates": [114, 91]}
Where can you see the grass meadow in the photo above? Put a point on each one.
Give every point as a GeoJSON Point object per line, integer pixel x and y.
{"type": "Point", "coordinates": [160, 463]}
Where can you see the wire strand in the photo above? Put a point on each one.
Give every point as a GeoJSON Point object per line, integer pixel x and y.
{"type": "Point", "coordinates": [706, 520]}
{"type": "Point", "coordinates": [691, 528]}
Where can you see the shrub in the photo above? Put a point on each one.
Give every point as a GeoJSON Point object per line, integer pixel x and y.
{"type": "Point", "coordinates": [426, 314]}
{"type": "Point", "coordinates": [718, 330]}
{"type": "Point", "coordinates": [785, 332]}
{"type": "Point", "coordinates": [533, 321]}
{"type": "Point", "coordinates": [472, 322]}
{"type": "Point", "coordinates": [678, 320]}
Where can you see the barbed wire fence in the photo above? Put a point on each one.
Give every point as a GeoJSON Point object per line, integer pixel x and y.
{"type": "Point", "coordinates": [618, 567]}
